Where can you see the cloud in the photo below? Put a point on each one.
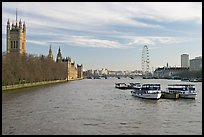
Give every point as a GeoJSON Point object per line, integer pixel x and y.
{"type": "Point", "coordinates": [98, 14]}
{"type": "Point", "coordinates": [94, 42]}
{"type": "Point", "coordinates": [167, 11]}
{"type": "Point", "coordinates": [150, 40]}
{"type": "Point", "coordinates": [37, 42]}
{"type": "Point", "coordinates": [93, 24]}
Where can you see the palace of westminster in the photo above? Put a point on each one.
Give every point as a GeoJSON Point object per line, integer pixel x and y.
{"type": "Point", "coordinates": [16, 42]}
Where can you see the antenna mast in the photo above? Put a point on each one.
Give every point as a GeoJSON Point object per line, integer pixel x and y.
{"type": "Point", "coordinates": [16, 15]}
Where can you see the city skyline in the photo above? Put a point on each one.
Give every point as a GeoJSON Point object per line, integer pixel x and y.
{"type": "Point", "coordinates": [110, 34]}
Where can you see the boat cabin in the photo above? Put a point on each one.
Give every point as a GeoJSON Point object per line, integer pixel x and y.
{"type": "Point", "coordinates": [151, 87]}
{"type": "Point", "coordinates": [181, 87]}
{"type": "Point", "coordinates": [118, 85]}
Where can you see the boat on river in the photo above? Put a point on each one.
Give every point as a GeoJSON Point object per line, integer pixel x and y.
{"type": "Point", "coordinates": [126, 86]}
{"type": "Point", "coordinates": [121, 85]}
{"type": "Point", "coordinates": [134, 85]}
{"type": "Point", "coordinates": [170, 93]}
{"type": "Point", "coordinates": [147, 91]}
{"type": "Point", "coordinates": [184, 90]}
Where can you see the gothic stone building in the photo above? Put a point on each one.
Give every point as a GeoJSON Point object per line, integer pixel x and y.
{"type": "Point", "coordinates": [73, 72]}
{"type": "Point", "coordinates": [16, 37]}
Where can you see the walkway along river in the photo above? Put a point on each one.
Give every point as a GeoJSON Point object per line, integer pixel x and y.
{"type": "Point", "coordinates": [95, 106]}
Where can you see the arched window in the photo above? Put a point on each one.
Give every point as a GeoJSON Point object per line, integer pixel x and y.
{"type": "Point", "coordinates": [16, 44]}
{"type": "Point", "coordinates": [11, 44]}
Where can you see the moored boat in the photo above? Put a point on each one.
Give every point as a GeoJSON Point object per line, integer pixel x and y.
{"type": "Point", "coordinates": [126, 86]}
{"type": "Point", "coordinates": [147, 91]}
{"type": "Point", "coordinates": [184, 90]}
{"type": "Point", "coordinates": [121, 86]}
{"type": "Point", "coordinates": [134, 85]}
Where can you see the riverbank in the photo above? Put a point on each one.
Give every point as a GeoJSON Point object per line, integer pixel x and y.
{"type": "Point", "coordinates": [26, 85]}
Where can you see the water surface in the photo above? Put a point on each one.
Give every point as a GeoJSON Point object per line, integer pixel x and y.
{"type": "Point", "coordinates": [95, 107]}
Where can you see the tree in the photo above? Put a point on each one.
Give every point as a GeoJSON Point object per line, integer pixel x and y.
{"type": "Point", "coordinates": [30, 68]}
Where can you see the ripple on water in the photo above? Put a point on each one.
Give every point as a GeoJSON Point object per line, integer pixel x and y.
{"type": "Point", "coordinates": [97, 107]}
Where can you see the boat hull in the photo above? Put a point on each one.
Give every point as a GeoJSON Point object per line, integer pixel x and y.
{"type": "Point", "coordinates": [170, 95]}
{"type": "Point", "coordinates": [190, 96]}
{"type": "Point", "coordinates": [147, 96]}
{"type": "Point", "coordinates": [123, 87]}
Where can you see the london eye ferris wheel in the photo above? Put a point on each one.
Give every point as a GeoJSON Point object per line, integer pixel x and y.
{"type": "Point", "coordinates": [145, 60]}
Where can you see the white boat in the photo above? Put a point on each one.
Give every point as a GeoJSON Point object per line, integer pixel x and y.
{"type": "Point", "coordinates": [121, 86]}
{"type": "Point", "coordinates": [126, 86]}
{"type": "Point", "coordinates": [184, 90]}
{"type": "Point", "coordinates": [148, 91]}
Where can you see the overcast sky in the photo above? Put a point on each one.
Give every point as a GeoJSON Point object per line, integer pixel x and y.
{"type": "Point", "coordinates": [109, 34]}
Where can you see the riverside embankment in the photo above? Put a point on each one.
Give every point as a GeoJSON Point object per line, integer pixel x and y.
{"type": "Point", "coordinates": [26, 85]}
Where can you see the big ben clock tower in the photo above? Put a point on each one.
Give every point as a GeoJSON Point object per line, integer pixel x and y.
{"type": "Point", "coordinates": [59, 56]}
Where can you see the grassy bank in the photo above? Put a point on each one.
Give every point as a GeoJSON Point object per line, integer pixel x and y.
{"type": "Point", "coordinates": [28, 85]}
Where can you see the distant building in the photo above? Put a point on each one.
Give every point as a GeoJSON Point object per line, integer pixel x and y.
{"type": "Point", "coordinates": [73, 72]}
{"type": "Point", "coordinates": [136, 72]}
{"type": "Point", "coordinates": [104, 71]}
{"type": "Point", "coordinates": [196, 64]}
{"type": "Point", "coordinates": [168, 72]}
{"type": "Point", "coordinates": [96, 72]}
{"type": "Point", "coordinates": [79, 71]}
{"type": "Point", "coordinates": [50, 55]}
{"type": "Point", "coordinates": [71, 69]}
{"type": "Point", "coordinates": [89, 73]}
{"type": "Point", "coordinates": [111, 73]}
{"type": "Point", "coordinates": [16, 37]}
{"type": "Point", "coordinates": [185, 60]}
{"type": "Point", "coordinates": [59, 56]}
{"type": "Point", "coordinates": [120, 73]}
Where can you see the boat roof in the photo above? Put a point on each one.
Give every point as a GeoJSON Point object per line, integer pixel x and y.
{"type": "Point", "coordinates": [181, 85]}
{"type": "Point", "coordinates": [119, 83]}
{"type": "Point", "coordinates": [152, 84]}
{"type": "Point", "coordinates": [135, 83]}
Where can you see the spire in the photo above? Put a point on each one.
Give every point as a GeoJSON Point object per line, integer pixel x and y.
{"type": "Point", "coordinates": [12, 25]}
{"type": "Point", "coordinates": [16, 18]}
{"type": "Point", "coordinates": [24, 27]}
{"type": "Point", "coordinates": [50, 51]}
{"type": "Point", "coordinates": [59, 56]}
{"type": "Point", "coordinates": [16, 15]}
{"type": "Point", "coordinates": [20, 24]}
{"type": "Point", "coordinates": [8, 24]}
{"type": "Point", "coordinates": [59, 52]}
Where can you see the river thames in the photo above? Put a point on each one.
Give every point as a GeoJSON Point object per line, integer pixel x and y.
{"type": "Point", "coordinates": [96, 107]}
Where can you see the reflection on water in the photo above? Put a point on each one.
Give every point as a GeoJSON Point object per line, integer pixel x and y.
{"type": "Point", "coordinates": [96, 107]}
